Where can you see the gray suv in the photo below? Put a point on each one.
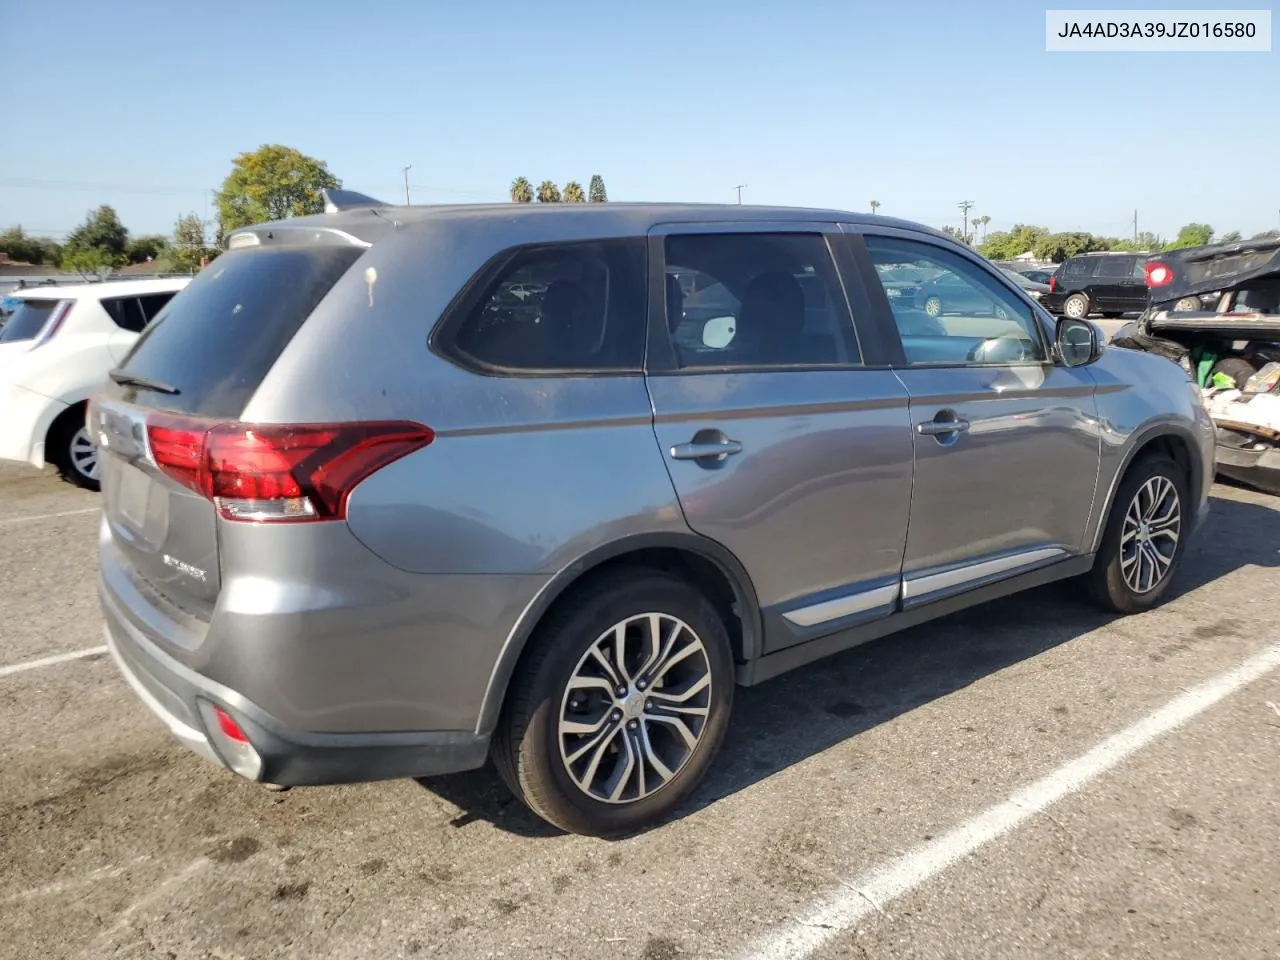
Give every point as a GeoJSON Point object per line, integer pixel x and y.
{"type": "Point", "coordinates": [389, 490]}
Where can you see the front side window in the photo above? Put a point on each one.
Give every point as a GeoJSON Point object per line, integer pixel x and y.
{"type": "Point", "coordinates": [565, 307]}
{"type": "Point", "coordinates": [951, 310]}
{"type": "Point", "coordinates": [756, 300]}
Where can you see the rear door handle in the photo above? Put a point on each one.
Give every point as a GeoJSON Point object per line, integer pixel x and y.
{"type": "Point", "coordinates": [940, 427]}
{"type": "Point", "coordinates": [703, 451]}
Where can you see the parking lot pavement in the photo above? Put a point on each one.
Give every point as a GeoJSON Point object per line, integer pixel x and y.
{"type": "Point", "coordinates": [118, 843]}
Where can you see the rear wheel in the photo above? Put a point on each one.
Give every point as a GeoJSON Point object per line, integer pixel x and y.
{"type": "Point", "coordinates": [933, 306]}
{"type": "Point", "coordinates": [1144, 537]}
{"type": "Point", "coordinates": [1076, 306]}
{"type": "Point", "coordinates": [620, 706]}
{"type": "Point", "coordinates": [73, 453]}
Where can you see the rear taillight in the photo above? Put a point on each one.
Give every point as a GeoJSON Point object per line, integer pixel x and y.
{"type": "Point", "coordinates": [278, 472]}
{"type": "Point", "coordinates": [1053, 283]}
{"type": "Point", "coordinates": [1157, 274]}
{"type": "Point", "coordinates": [54, 323]}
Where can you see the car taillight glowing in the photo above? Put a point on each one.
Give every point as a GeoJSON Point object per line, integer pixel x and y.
{"type": "Point", "coordinates": [278, 472]}
{"type": "Point", "coordinates": [54, 323]}
{"type": "Point", "coordinates": [1157, 274]}
{"type": "Point", "coordinates": [1053, 283]}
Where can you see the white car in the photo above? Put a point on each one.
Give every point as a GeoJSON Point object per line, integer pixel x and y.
{"type": "Point", "coordinates": [55, 350]}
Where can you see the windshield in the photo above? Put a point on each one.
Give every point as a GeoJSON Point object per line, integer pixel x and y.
{"type": "Point", "coordinates": [27, 320]}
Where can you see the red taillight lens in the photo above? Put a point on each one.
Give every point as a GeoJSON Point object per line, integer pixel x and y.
{"type": "Point", "coordinates": [274, 472]}
{"type": "Point", "coordinates": [1053, 283]}
{"type": "Point", "coordinates": [54, 324]}
{"type": "Point", "coordinates": [227, 724]}
{"type": "Point", "coordinates": [1157, 274]}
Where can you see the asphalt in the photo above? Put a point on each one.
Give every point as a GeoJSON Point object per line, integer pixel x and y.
{"type": "Point", "coordinates": [114, 842]}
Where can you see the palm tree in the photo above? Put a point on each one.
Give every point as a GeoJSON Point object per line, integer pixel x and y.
{"type": "Point", "coordinates": [573, 192]}
{"type": "Point", "coordinates": [548, 192]}
{"type": "Point", "coordinates": [982, 222]}
{"type": "Point", "coordinates": [875, 205]}
{"type": "Point", "coordinates": [521, 191]}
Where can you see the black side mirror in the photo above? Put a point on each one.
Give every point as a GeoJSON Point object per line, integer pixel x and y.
{"type": "Point", "coordinates": [1077, 342]}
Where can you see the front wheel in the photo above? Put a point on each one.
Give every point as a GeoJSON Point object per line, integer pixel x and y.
{"type": "Point", "coordinates": [1144, 537]}
{"type": "Point", "coordinates": [620, 707]}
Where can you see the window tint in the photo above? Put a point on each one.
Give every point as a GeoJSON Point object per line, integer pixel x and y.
{"type": "Point", "coordinates": [1138, 270]}
{"type": "Point", "coordinates": [217, 341]}
{"type": "Point", "coordinates": [153, 303]}
{"type": "Point", "coordinates": [28, 319]}
{"type": "Point", "coordinates": [1079, 267]}
{"type": "Point", "coordinates": [751, 299]}
{"type": "Point", "coordinates": [1115, 267]}
{"type": "Point", "coordinates": [951, 310]}
{"type": "Point", "coordinates": [126, 312]}
{"type": "Point", "coordinates": [572, 306]}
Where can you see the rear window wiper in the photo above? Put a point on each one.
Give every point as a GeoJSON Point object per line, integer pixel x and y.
{"type": "Point", "coordinates": [126, 379]}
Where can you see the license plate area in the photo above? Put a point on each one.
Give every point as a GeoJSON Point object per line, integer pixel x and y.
{"type": "Point", "coordinates": [140, 505]}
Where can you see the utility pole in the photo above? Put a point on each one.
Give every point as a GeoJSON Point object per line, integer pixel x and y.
{"type": "Point", "coordinates": [1135, 226]}
{"type": "Point", "coordinates": [739, 189]}
{"type": "Point", "coordinates": [965, 206]}
{"type": "Point", "coordinates": [406, 184]}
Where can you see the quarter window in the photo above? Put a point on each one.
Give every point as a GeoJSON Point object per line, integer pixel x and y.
{"type": "Point", "coordinates": [756, 300]}
{"type": "Point", "coordinates": [126, 312]}
{"type": "Point", "coordinates": [573, 306]}
{"type": "Point", "coordinates": [1115, 267]}
{"type": "Point", "coordinates": [950, 310]}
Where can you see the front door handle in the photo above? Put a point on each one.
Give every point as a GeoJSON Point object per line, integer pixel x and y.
{"type": "Point", "coordinates": [944, 424]}
{"type": "Point", "coordinates": [708, 450]}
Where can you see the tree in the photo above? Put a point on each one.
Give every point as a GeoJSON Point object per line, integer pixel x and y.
{"type": "Point", "coordinates": [1057, 247]}
{"type": "Point", "coordinates": [596, 192]}
{"type": "Point", "coordinates": [954, 233]}
{"type": "Point", "coordinates": [1266, 235]}
{"type": "Point", "coordinates": [1192, 235]}
{"type": "Point", "coordinates": [271, 183]}
{"type": "Point", "coordinates": [548, 192]}
{"type": "Point", "coordinates": [1231, 236]}
{"type": "Point", "coordinates": [188, 250]}
{"type": "Point", "coordinates": [142, 249]}
{"type": "Point", "coordinates": [875, 205]}
{"type": "Point", "coordinates": [1147, 242]}
{"type": "Point", "coordinates": [573, 192]}
{"type": "Point", "coordinates": [982, 222]}
{"type": "Point", "coordinates": [101, 230]}
{"type": "Point", "coordinates": [521, 191]}
{"type": "Point", "coordinates": [24, 248]}
{"type": "Point", "coordinates": [93, 263]}
{"type": "Point", "coordinates": [1007, 244]}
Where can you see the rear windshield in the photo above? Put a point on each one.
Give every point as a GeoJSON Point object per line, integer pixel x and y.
{"type": "Point", "coordinates": [217, 339]}
{"type": "Point", "coordinates": [27, 320]}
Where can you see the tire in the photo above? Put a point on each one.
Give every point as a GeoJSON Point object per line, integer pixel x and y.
{"type": "Point", "coordinates": [1112, 314]}
{"type": "Point", "coordinates": [547, 767]}
{"type": "Point", "coordinates": [1122, 580]}
{"type": "Point", "coordinates": [73, 453]}
{"type": "Point", "coordinates": [1237, 368]}
{"type": "Point", "coordinates": [933, 306]}
{"type": "Point", "coordinates": [1076, 306]}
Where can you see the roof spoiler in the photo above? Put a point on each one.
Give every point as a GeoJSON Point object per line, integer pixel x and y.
{"type": "Point", "coordinates": [338, 200]}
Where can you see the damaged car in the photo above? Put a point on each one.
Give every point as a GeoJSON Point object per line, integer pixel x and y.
{"type": "Point", "coordinates": [1215, 311]}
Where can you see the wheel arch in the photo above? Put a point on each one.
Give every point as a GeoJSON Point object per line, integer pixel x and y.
{"type": "Point", "coordinates": [707, 564]}
{"type": "Point", "coordinates": [1161, 438]}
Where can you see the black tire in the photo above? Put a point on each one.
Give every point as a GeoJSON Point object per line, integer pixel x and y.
{"type": "Point", "coordinates": [1107, 581]}
{"type": "Point", "coordinates": [1237, 368]}
{"type": "Point", "coordinates": [65, 450]}
{"type": "Point", "coordinates": [1082, 304]}
{"type": "Point", "coordinates": [526, 747]}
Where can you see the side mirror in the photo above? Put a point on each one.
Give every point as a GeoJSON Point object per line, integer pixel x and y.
{"type": "Point", "coordinates": [1077, 342]}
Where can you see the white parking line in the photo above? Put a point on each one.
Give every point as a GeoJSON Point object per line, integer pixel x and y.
{"type": "Point", "coordinates": [48, 516]}
{"type": "Point", "coordinates": [867, 893]}
{"type": "Point", "coordinates": [50, 661]}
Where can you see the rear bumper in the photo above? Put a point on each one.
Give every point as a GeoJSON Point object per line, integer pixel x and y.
{"type": "Point", "coordinates": [25, 419]}
{"type": "Point", "coordinates": [1257, 468]}
{"type": "Point", "coordinates": [289, 757]}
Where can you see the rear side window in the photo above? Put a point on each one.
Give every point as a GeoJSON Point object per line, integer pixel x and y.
{"type": "Point", "coordinates": [216, 342]}
{"type": "Point", "coordinates": [1116, 267]}
{"type": "Point", "coordinates": [1079, 267]}
{"type": "Point", "coordinates": [153, 303]}
{"type": "Point", "coordinates": [570, 307]}
{"type": "Point", "coordinates": [27, 320]}
{"type": "Point", "coordinates": [126, 312]}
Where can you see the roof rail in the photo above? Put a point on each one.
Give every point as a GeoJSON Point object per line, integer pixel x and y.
{"type": "Point", "coordinates": [338, 200]}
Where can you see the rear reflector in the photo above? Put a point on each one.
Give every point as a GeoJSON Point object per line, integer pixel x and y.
{"type": "Point", "coordinates": [278, 472]}
{"type": "Point", "coordinates": [1053, 284]}
{"type": "Point", "coordinates": [230, 729]}
{"type": "Point", "coordinates": [230, 741]}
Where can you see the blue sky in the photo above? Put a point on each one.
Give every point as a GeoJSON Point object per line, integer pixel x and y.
{"type": "Point", "coordinates": [918, 105]}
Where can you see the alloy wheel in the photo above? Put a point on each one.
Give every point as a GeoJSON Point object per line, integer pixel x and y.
{"type": "Point", "coordinates": [1149, 534]}
{"type": "Point", "coordinates": [84, 455]}
{"type": "Point", "coordinates": [635, 708]}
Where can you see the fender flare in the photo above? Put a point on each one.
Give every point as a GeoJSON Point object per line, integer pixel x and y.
{"type": "Point", "coordinates": [513, 648]}
{"type": "Point", "coordinates": [1139, 441]}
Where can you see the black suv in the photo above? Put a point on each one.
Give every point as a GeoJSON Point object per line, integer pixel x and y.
{"type": "Point", "coordinates": [1107, 283]}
